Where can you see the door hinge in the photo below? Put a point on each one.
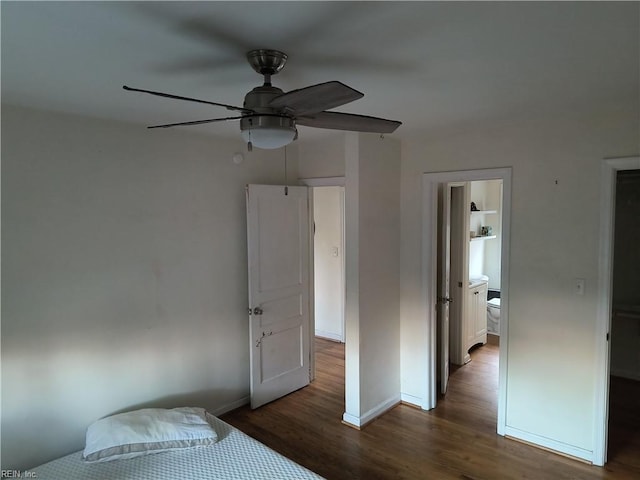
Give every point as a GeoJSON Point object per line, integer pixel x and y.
{"type": "Point", "coordinates": [607, 336]}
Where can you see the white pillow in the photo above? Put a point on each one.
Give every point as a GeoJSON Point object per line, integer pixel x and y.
{"type": "Point", "coordinates": [150, 430]}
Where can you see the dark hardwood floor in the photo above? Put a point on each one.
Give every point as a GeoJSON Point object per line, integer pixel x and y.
{"type": "Point", "coordinates": [457, 440]}
{"type": "Point", "coordinates": [624, 424]}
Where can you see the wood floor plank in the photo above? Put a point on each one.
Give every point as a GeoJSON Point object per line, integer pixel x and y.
{"type": "Point", "coordinates": [457, 440]}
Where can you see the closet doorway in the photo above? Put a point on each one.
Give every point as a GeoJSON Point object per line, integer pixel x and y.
{"type": "Point", "coordinates": [624, 379]}
{"type": "Point", "coordinates": [328, 262]}
{"type": "Point", "coordinates": [606, 362]}
{"type": "Point", "coordinates": [328, 290]}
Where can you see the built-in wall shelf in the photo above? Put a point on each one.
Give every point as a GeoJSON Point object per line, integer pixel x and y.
{"type": "Point", "coordinates": [483, 212]}
{"type": "Point", "coordinates": [483, 237]}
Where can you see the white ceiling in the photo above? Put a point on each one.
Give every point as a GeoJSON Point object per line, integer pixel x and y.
{"type": "Point", "coordinates": [431, 65]}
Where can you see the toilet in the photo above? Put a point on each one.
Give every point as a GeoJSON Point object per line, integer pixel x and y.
{"type": "Point", "coordinates": [493, 316]}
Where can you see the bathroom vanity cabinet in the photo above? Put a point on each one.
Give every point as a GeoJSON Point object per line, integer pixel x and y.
{"type": "Point", "coordinates": [476, 318]}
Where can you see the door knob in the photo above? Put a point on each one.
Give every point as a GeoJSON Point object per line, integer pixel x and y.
{"type": "Point", "coordinates": [257, 311]}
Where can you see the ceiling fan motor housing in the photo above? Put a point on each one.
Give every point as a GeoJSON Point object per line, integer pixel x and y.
{"type": "Point", "coordinates": [259, 98]}
{"type": "Point", "coordinates": [267, 122]}
{"type": "Point", "coordinates": [261, 122]}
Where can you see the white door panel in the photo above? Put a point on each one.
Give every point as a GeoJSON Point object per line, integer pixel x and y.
{"type": "Point", "coordinates": [278, 248]}
{"type": "Point", "coordinates": [281, 353]}
{"type": "Point", "coordinates": [279, 218]}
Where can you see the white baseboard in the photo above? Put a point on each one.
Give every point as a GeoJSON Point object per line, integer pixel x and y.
{"type": "Point", "coordinates": [351, 419]}
{"type": "Point", "coordinates": [550, 444]}
{"type": "Point", "coordinates": [372, 414]}
{"type": "Point", "coordinates": [411, 400]}
{"type": "Point", "coordinates": [330, 335]}
{"type": "Point", "coordinates": [230, 406]}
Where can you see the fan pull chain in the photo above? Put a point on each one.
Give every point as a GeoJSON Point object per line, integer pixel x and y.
{"type": "Point", "coordinates": [286, 188]}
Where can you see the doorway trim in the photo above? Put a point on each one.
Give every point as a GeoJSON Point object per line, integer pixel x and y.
{"type": "Point", "coordinates": [609, 170]}
{"type": "Point", "coordinates": [430, 183]}
{"type": "Point", "coordinates": [324, 182]}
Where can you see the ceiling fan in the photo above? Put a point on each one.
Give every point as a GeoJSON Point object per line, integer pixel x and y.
{"type": "Point", "coordinates": [269, 116]}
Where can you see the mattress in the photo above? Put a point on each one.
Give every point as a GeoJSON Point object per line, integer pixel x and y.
{"type": "Point", "coordinates": [235, 456]}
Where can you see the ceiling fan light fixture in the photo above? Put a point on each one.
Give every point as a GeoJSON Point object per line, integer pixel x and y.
{"type": "Point", "coordinates": [268, 131]}
{"type": "Point", "coordinates": [268, 116]}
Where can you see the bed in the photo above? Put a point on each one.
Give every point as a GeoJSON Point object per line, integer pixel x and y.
{"type": "Point", "coordinates": [234, 455]}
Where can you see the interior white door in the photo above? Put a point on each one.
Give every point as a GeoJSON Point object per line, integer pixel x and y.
{"type": "Point", "coordinates": [459, 264]}
{"type": "Point", "coordinates": [444, 269]}
{"type": "Point", "coordinates": [278, 248]}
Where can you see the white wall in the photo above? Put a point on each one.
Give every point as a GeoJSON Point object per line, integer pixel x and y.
{"type": "Point", "coordinates": [556, 168]}
{"type": "Point", "coordinates": [484, 256]}
{"type": "Point", "coordinates": [371, 167]}
{"type": "Point", "coordinates": [493, 248]}
{"type": "Point", "coordinates": [328, 258]}
{"type": "Point", "coordinates": [372, 241]}
{"type": "Point", "coordinates": [124, 277]}
{"type": "Point", "coordinates": [323, 157]}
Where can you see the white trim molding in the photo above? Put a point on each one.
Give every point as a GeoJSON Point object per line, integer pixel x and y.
{"type": "Point", "coordinates": [323, 182]}
{"type": "Point", "coordinates": [351, 420]}
{"type": "Point", "coordinates": [549, 444]}
{"type": "Point", "coordinates": [330, 336]}
{"type": "Point", "coordinates": [371, 414]}
{"type": "Point", "coordinates": [609, 170]}
{"type": "Point", "coordinates": [411, 400]}
{"type": "Point", "coordinates": [231, 406]}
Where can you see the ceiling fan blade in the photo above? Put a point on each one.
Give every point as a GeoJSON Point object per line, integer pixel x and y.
{"type": "Point", "coordinates": [315, 98]}
{"type": "Point", "coordinates": [195, 122]}
{"type": "Point", "coordinates": [178, 97]}
{"type": "Point", "coordinates": [348, 121]}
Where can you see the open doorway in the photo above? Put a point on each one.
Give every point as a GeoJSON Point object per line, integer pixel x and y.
{"type": "Point", "coordinates": [328, 296]}
{"type": "Point", "coordinates": [431, 186]}
{"type": "Point", "coordinates": [624, 390]}
{"type": "Point", "coordinates": [606, 307]}
{"type": "Point", "coordinates": [469, 274]}
{"type": "Point", "coordinates": [328, 262]}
